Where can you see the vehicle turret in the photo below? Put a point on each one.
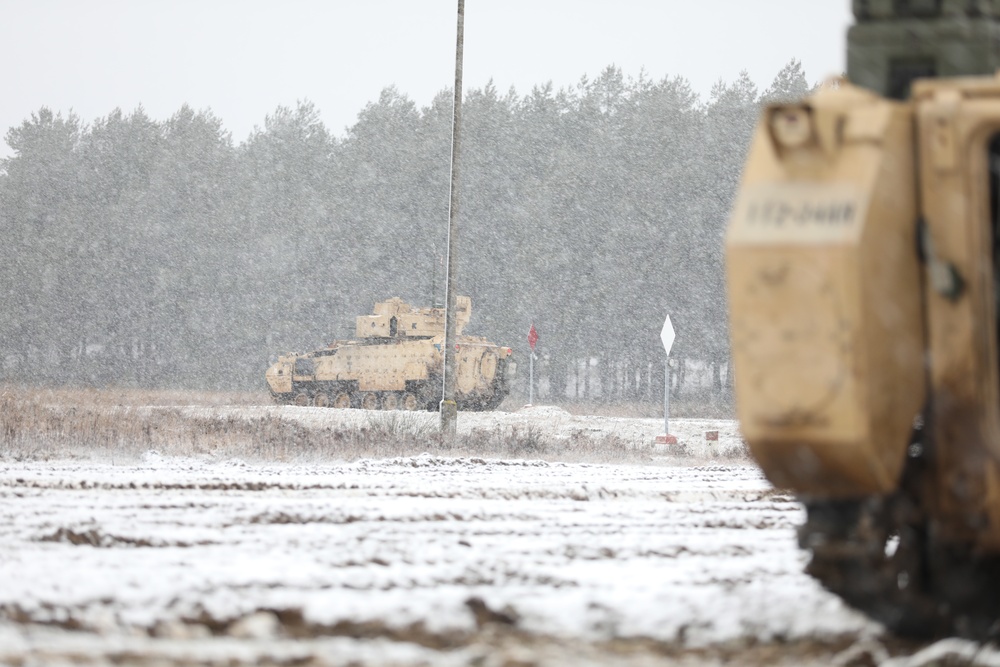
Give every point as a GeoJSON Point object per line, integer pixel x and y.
{"type": "Point", "coordinates": [397, 319]}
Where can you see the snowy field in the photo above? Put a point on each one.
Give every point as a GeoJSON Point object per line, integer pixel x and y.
{"type": "Point", "coordinates": [423, 560]}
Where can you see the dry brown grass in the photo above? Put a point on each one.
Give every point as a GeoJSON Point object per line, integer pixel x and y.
{"type": "Point", "coordinates": [45, 424]}
{"type": "Point", "coordinates": [37, 430]}
{"type": "Point", "coordinates": [59, 423]}
{"type": "Point", "coordinates": [121, 397]}
{"type": "Point", "coordinates": [695, 406]}
{"type": "Point", "coordinates": [531, 442]}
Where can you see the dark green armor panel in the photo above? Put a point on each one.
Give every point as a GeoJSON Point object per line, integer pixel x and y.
{"type": "Point", "coordinates": [894, 42]}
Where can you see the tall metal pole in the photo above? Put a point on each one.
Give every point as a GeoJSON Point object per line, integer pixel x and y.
{"type": "Point", "coordinates": [666, 396]}
{"type": "Point", "coordinates": [449, 408]}
{"type": "Point", "coordinates": [531, 378]}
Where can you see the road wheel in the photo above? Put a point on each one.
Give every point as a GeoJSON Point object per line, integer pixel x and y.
{"type": "Point", "coordinates": [877, 566]}
{"type": "Point", "coordinates": [342, 400]}
{"type": "Point", "coordinates": [369, 400]}
{"type": "Point", "coordinates": [301, 398]}
{"type": "Point", "coordinates": [409, 402]}
{"type": "Point", "coordinates": [390, 401]}
{"type": "Point", "coordinates": [321, 400]}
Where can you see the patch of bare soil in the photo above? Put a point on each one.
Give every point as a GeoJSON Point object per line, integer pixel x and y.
{"type": "Point", "coordinates": [270, 637]}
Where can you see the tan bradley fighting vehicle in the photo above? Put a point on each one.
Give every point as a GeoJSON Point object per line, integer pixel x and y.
{"type": "Point", "coordinates": [395, 363]}
{"type": "Point", "coordinates": [862, 260]}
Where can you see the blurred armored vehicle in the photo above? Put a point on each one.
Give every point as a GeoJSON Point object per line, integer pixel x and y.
{"type": "Point", "coordinates": [395, 363]}
{"type": "Point", "coordinates": [862, 262]}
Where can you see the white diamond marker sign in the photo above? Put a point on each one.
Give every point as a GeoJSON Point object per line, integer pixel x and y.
{"type": "Point", "coordinates": [667, 335]}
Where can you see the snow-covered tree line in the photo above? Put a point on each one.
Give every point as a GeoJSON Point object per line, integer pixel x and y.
{"type": "Point", "coordinates": [144, 253]}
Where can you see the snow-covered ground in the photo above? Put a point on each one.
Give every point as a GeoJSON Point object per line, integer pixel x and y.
{"type": "Point", "coordinates": [416, 560]}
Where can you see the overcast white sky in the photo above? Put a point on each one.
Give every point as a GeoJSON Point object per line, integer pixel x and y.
{"type": "Point", "coordinates": [243, 58]}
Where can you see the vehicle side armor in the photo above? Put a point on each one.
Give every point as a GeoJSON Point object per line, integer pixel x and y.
{"type": "Point", "coordinates": [395, 362]}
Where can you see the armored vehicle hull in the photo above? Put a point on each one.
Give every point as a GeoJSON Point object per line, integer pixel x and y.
{"type": "Point", "coordinates": [395, 363]}
{"type": "Point", "coordinates": [863, 261]}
